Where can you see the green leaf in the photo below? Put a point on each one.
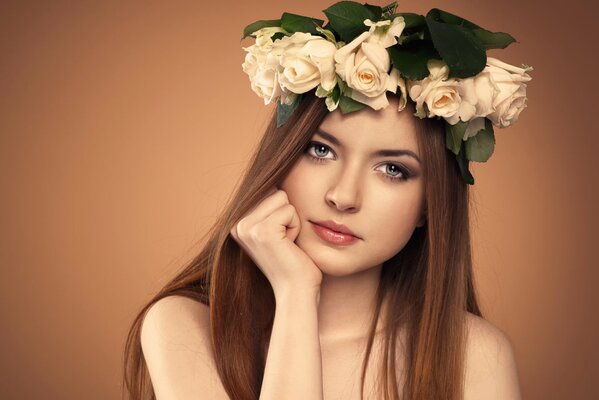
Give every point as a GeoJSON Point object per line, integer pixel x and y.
{"type": "Point", "coordinates": [410, 59]}
{"type": "Point", "coordinates": [376, 10]}
{"type": "Point", "coordinates": [284, 111]}
{"type": "Point", "coordinates": [463, 165]}
{"type": "Point", "coordinates": [347, 18]}
{"type": "Point", "coordinates": [277, 35]}
{"type": "Point", "coordinates": [347, 105]}
{"type": "Point", "coordinates": [460, 49]}
{"type": "Point", "coordinates": [490, 40]}
{"type": "Point", "coordinates": [454, 135]}
{"type": "Point", "coordinates": [404, 39]}
{"type": "Point", "coordinates": [254, 26]}
{"type": "Point", "coordinates": [444, 16]}
{"type": "Point", "coordinates": [493, 40]}
{"type": "Point", "coordinates": [336, 94]}
{"type": "Point", "coordinates": [480, 146]}
{"type": "Point", "coordinates": [298, 23]}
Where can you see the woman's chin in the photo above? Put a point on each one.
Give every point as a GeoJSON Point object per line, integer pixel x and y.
{"type": "Point", "coordinates": [331, 259]}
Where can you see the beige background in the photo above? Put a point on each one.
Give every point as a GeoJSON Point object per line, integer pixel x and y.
{"type": "Point", "coordinates": [124, 126]}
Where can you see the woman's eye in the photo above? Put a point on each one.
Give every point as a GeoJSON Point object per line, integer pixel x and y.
{"type": "Point", "coordinates": [394, 172]}
{"type": "Point", "coordinates": [320, 151]}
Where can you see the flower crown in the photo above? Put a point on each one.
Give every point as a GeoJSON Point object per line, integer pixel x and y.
{"type": "Point", "coordinates": [439, 60]}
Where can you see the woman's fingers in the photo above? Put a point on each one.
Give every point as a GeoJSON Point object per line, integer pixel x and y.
{"type": "Point", "coordinates": [267, 234]}
{"type": "Point", "coordinates": [286, 220]}
{"type": "Point", "coordinates": [272, 201]}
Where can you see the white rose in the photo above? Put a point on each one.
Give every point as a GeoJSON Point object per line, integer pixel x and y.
{"type": "Point", "coordinates": [511, 98]}
{"type": "Point", "coordinates": [253, 58]}
{"type": "Point", "coordinates": [263, 68]}
{"type": "Point", "coordinates": [498, 92]}
{"type": "Point", "coordinates": [364, 67]}
{"type": "Point", "coordinates": [478, 95]}
{"type": "Point", "coordinates": [364, 63]}
{"type": "Point", "coordinates": [256, 53]}
{"type": "Point", "coordinates": [307, 61]}
{"type": "Point", "coordinates": [438, 92]}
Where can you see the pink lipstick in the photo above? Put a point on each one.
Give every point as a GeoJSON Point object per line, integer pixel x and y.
{"type": "Point", "coordinates": [333, 236]}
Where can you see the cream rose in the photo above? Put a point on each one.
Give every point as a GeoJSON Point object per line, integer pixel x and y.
{"type": "Point", "coordinates": [263, 68]}
{"type": "Point", "coordinates": [478, 94]}
{"type": "Point", "coordinates": [364, 67]}
{"type": "Point", "coordinates": [364, 63]}
{"type": "Point", "coordinates": [511, 96]}
{"type": "Point", "coordinates": [307, 61]}
{"type": "Point", "coordinates": [438, 92]}
{"type": "Point", "coordinates": [498, 92]}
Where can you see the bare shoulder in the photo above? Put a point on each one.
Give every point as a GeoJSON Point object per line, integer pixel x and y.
{"type": "Point", "coordinates": [490, 364]}
{"type": "Point", "coordinates": [176, 344]}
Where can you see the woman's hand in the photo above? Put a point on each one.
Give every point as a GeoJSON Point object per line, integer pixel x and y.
{"type": "Point", "coordinates": [267, 233]}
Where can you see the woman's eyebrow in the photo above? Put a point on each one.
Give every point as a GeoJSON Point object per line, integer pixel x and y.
{"type": "Point", "coordinates": [378, 153]}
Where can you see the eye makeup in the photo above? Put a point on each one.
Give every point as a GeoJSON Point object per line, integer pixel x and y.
{"type": "Point", "coordinates": [403, 173]}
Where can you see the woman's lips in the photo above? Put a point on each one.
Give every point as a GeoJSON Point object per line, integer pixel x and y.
{"type": "Point", "coordinates": [332, 236]}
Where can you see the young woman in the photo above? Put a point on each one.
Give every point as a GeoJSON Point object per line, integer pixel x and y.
{"type": "Point", "coordinates": [340, 269]}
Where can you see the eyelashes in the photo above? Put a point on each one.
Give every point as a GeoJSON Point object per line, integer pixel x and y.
{"type": "Point", "coordinates": [403, 173]}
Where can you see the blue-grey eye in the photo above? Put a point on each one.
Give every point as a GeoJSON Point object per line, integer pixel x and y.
{"type": "Point", "coordinates": [394, 169]}
{"type": "Point", "coordinates": [320, 147]}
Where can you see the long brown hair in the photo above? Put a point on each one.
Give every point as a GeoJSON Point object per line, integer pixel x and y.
{"type": "Point", "coordinates": [428, 284]}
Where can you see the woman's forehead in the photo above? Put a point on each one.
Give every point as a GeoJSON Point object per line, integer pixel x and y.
{"type": "Point", "coordinates": [385, 128]}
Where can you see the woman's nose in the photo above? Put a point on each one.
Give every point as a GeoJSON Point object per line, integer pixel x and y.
{"type": "Point", "coordinates": [345, 191]}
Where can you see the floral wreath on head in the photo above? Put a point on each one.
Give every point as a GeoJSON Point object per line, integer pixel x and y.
{"type": "Point", "coordinates": [438, 61]}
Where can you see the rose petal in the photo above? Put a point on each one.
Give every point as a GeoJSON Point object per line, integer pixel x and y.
{"type": "Point", "coordinates": [378, 55]}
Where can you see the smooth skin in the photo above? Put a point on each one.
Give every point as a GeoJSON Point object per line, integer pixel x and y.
{"type": "Point", "coordinates": [324, 293]}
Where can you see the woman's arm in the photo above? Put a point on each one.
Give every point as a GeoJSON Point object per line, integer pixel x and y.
{"type": "Point", "coordinates": [267, 234]}
{"type": "Point", "coordinates": [177, 347]}
{"type": "Point", "coordinates": [294, 362]}
{"type": "Point", "coordinates": [491, 372]}
{"type": "Point", "coordinates": [175, 339]}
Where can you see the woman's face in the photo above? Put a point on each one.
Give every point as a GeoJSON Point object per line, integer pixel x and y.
{"type": "Point", "coordinates": [379, 197]}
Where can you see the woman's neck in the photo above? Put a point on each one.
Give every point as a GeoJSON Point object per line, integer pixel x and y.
{"type": "Point", "coordinates": [347, 304]}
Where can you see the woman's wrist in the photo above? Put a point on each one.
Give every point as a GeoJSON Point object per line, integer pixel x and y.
{"type": "Point", "coordinates": [297, 296]}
